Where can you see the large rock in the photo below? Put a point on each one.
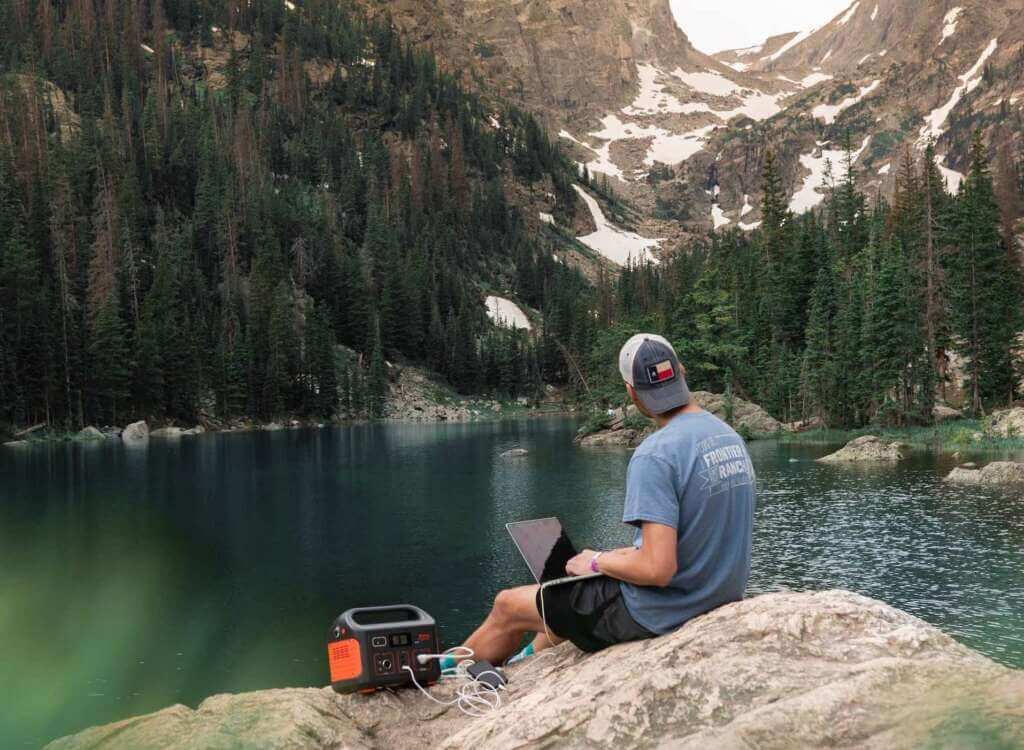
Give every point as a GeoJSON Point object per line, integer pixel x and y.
{"type": "Point", "coordinates": [1006, 423]}
{"type": "Point", "coordinates": [942, 413]}
{"type": "Point", "coordinates": [746, 415]}
{"type": "Point", "coordinates": [136, 432]}
{"type": "Point", "coordinates": [89, 433]}
{"type": "Point", "coordinates": [867, 448]}
{"type": "Point", "coordinates": [166, 432]}
{"type": "Point", "coordinates": [782, 670]}
{"type": "Point", "coordinates": [998, 472]}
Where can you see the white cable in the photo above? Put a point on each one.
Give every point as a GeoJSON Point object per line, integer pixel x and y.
{"type": "Point", "coordinates": [467, 653]}
{"type": "Point", "coordinates": [474, 698]}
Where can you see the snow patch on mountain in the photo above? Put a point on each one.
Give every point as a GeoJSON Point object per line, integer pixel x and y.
{"type": "Point", "coordinates": [546, 218]}
{"type": "Point", "coordinates": [829, 112]}
{"type": "Point", "coordinates": [933, 127]}
{"type": "Point", "coordinates": [603, 163]}
{"type": "Point", "coordinates": [949, 23]}
{"type": "Point", "coordinates": [885, 169]}
{"type": "Point", "coordinates": [669, 148]}
{"type": "Point", "coordinates": [951, 176]}
{"type": "Point", "coordinates": [707, 82]}
{"type": "Point", "coordinates": [849, 14]}
{"type": "Point", "coordinates": [756, 105]}
{"type": "Point", "coordinates": [506, 313]}
{"type": "Point", "coordinates": [748, 51]}
{"type": "Point", "coordinates": [718, 217]}
{"type": "Point", "coordinates": [615, 244]}
{"type": "Point", "coordinates": [789, 45]}
{"type": "Point", "coordinates": [874, 13]}
{"type": "Point", "coordinates": [807, 197]}
{"type": "Point", "coordinates": [747, 208]}
{"type": "Point", "coordinates": [652, 99]}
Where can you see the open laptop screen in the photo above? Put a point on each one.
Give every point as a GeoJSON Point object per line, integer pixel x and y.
{"type": "Point", "coordinates": [544, 545]}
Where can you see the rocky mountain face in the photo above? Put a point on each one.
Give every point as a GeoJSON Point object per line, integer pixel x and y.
{"type": "Point", "coordinates": [683, 135]}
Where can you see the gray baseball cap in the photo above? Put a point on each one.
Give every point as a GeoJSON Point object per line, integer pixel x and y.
{"type": "Point", "coordinates": [649, 364]}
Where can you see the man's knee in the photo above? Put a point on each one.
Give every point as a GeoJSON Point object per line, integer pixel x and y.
{"type": "Point", "coordinates": [504, 604]}
{"type": "Point", "coordinates": [512, 605]}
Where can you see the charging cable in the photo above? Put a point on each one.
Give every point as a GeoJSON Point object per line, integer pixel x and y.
{"type": "Point", "coordinates": [473, 697]}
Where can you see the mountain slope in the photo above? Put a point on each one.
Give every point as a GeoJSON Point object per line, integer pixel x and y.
{"type": "Point", "coordinates": [682, 134]}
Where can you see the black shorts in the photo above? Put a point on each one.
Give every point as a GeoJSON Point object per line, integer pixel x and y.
{"type": "Point", "coordinates": [590, 613]}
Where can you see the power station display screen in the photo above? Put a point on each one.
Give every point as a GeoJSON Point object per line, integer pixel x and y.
{"type": "Point", "coordinates": [400, 639]}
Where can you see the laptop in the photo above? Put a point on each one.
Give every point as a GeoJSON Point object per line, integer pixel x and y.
{"type": "Point", "coordinates": [546, 548]}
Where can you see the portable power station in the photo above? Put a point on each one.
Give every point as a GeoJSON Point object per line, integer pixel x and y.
{"type": "Point", "coordinates": [368, 648]}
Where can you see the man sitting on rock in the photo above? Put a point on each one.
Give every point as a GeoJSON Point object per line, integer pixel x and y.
{"type": "Point", "coordinates": [690, 491]}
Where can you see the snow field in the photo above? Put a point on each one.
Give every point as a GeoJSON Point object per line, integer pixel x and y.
{"type": "Point", "coordinates": [615, 244]}
{"type": "Point", "coordinates": [807, 197]}
{"type": "Point", "coordinates": [506, 313]}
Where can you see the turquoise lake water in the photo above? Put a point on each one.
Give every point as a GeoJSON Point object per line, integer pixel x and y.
{"type": "Point", "coordinates": [132, 579]}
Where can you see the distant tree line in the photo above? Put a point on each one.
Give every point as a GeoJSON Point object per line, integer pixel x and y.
{"type": "Point", "coordinates": [852, 314]}
{"type": "Point", "coordinates": [191, 227]}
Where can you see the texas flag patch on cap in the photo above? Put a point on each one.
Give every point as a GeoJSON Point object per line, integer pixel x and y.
{"type": "Point", "coordinates": [661, 372]}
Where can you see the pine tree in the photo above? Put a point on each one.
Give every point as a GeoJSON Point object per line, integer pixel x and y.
{"type": "Point", "coordinates": [321, 369]}
{"type": "Point", "coordinates": [985, 289]}
{"type": "Point", "coordinates": [377, 387]}
{"type": "Point", "coordinates": [109, 364]}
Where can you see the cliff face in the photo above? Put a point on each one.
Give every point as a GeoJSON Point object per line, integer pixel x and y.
{"type": "Point", "coordinates": [562, 58]}
{"type": "Point", "coordinates": [782, 670]}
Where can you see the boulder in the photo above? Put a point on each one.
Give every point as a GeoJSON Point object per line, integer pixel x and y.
{"type": "Point", "coordinates": [136, 432]}
{"type": "Point", "coordinates": [1006, 423]}
{"type": "Point", "coordinates": [166, 432]}
{"type": "Point", "coordinates": [781, 670]}
{"type": "Point", "coordinates": [622, 438]}
{"type": "Point", "coordinates": [867, 448]}
{"type": "Point", "coordinates": [941, 413]}
{"type": "Point", "coordinates": [197, 430]}
{"type": "Point", "coordinates": [89, 433]}
{"type": "Point", "coordinates": [16, 444]}
{"type": "Point", "coordinates": [997, 472]}
{"type": "Point", "coordinates": [746, 415]}
{"type": "Point", "coordinates": [515, 453]}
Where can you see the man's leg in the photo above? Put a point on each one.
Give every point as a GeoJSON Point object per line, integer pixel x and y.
{"type": "Point", "coordinates": [513, 615]}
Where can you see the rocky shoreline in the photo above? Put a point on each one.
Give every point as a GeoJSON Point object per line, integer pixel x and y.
{"type": "Point", "coordinates": [628, 428]}
{"type": "Point", "coordinates": [781, 670]}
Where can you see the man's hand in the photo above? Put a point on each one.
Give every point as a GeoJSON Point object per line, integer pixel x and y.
{"type": "Point", "coordinates": [580, 565]}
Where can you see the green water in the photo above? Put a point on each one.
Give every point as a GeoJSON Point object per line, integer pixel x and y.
{"type": "Point", "coordinates": [134, 579]}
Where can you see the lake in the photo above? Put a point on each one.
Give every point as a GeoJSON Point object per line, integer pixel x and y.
{"type": "Point", "coordinates": [132, 579]}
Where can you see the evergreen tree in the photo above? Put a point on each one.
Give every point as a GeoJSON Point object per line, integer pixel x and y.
{"type": "Point", "coordinates": [377, 387]}
{"type": "Point", "coordinates": [986, 290]}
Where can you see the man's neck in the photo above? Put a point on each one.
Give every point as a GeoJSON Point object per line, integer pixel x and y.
{"type": "Point", "coordinates": [663, 419]}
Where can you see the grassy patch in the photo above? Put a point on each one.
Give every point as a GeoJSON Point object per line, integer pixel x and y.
{"type": "Point", "coordinates": [955, 435]}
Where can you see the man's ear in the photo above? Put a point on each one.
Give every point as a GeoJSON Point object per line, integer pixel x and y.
{"type": "Point", "coordinates": [637, 402]}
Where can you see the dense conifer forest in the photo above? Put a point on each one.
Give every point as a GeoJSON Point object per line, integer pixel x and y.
{"type": "Point", "coordinates": [178, 244]}
{"type": "Point", "coordinates": [860, 313]}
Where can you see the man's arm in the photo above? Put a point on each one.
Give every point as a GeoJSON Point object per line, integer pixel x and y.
{"type": "Point", "coordinates": [653, 564]}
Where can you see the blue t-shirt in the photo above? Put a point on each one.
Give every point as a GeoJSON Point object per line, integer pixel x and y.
{"type": "Point", "coordinates": [694, 475]}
